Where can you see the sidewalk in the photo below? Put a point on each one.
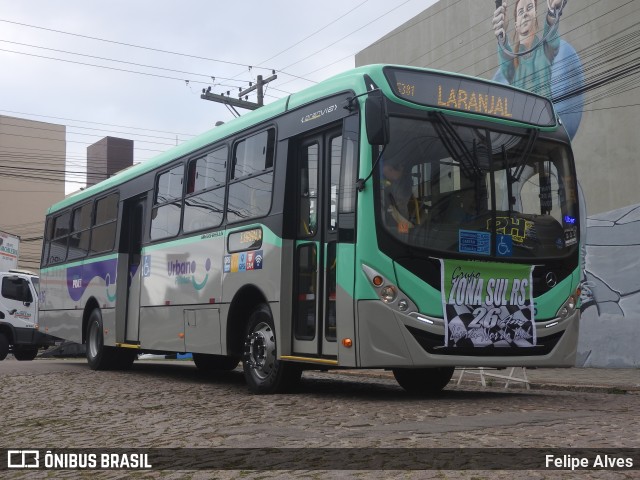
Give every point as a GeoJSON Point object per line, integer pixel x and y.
{"type": "Point", "coordinates": [604, 380]}
{"type": "Point", "coordinates": [612, 380]}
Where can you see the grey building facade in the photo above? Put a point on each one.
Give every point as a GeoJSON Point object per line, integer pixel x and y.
{"type": "Point", "coordinates": [107, 157]}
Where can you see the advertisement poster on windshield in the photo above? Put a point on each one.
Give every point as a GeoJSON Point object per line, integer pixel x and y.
{"type": "Point", "coordinates": [487, 304]}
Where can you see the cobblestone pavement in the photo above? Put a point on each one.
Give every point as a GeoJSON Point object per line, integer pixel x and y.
{"type": "Point", "coordinates": [63, 404]}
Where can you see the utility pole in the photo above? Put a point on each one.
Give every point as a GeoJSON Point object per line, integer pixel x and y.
{"type": "Point", "coordinates": [232, 102]}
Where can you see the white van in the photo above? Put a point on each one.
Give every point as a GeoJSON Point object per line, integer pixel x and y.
{"type": "Point", "coordinates": [19, 332]}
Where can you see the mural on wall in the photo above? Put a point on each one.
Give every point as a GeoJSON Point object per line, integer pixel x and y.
{"type": "Point", "coordinates": [609, 327]}
{"type": "Point", "coordinates": [536, 58]}
{"type": "Point", "coordinates": [532, 55]}
{"type": "Point", "coordinates": [612, 282]}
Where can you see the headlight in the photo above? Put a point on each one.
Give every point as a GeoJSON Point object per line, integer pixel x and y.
{"type": "Point", "coordinates": [388, 294]}
{"type": "Point", "coordinates": [567, 308]}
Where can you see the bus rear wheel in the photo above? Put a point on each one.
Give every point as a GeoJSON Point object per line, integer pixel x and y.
{"type": "Point", "coordinates": [213, 363]}
{"type": "Point", "coordinates": [26, 353]}
{"type": "Point", "coordinates": [99, 356]}
{"type": "Point", "coordinates": [263, 372]}
{"type": "Point", "coordinates": [423, 381]}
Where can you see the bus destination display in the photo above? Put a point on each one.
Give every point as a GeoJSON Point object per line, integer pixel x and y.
{"type": "Point", "coordinates": [468, 95]}
{"type": "Point", "coordinates": [245, 240]}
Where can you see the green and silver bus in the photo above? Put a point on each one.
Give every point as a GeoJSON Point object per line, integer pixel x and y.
{"type": "Point", "coordinates": [390, 217]}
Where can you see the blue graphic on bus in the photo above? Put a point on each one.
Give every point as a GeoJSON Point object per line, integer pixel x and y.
{"type": "Point", "coordinates": [257, 260]}
{"type": "Point", "coordinates": [146, 266]}
{"type": "Point", "coordinates": [504, 245]}
{"type": "Point", "coordinates": [470, 241]}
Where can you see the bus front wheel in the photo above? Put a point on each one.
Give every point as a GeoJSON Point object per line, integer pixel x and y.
{"type": "Point", "coordinates": [99, 356]}
{"type": "Point", "coordinates": [423, 381]}
{"type": "Point", "coordinates": [262, 371]}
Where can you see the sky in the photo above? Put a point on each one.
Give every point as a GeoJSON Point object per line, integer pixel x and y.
{"type": "Point", "coordinates": [189, 42]}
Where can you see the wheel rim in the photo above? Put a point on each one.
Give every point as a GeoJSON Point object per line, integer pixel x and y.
{"type": "Point", "coordinates": [95, 339]}
{"type": "Point", "coordinates": [260, 354]}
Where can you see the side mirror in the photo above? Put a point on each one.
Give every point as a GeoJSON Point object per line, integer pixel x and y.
{"type": "Point", "coordinates": [377, 118]}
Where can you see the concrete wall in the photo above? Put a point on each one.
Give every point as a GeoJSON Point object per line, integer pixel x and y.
{"type": "Point", "coordinates": [32, 166]}
{"type": "Point", "coordinates": [610, 329]}
{"type": "Point", "coordinates": [457, 35]}
{"type": "Point", "coordinates": [598, 38]}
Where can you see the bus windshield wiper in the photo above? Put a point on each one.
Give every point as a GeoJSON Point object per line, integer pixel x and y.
{"type": "Point", "coordinates": [531, 140]}
{"type": "Point", "coordinates": [456, 147]}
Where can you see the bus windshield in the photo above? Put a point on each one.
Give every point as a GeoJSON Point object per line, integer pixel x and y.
{"type": "Point", "coordinates": [456, 188]}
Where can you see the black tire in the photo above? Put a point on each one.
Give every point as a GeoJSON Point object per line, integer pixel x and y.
{"type": "Point", "coordinates": [25, 353]}
{"type": "Point", "coordinates": [214, 363]}
{"type": "Point", "coordinates": [4, 346]}
{"type": "Point", "coordinates": [423, 381]}
{"type": "Point", "coordinates": [263, 372]}
{"type": "Point", "coordinates": [101, 357]}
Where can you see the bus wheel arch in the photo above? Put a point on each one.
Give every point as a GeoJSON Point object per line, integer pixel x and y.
{"type": "Point", "coordinates": [99, 356]}
{"type": "Point", "coordinates": [89, 307]}
{"type": "Point", "coordinates": [245, 301]}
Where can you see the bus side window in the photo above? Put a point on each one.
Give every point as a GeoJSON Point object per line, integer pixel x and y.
{"type": "Point", "coordinates": [308, 200]}
{"type": "Point", "coordinates": [60, 232]}
{"type": "Point", "coordinates": [204, 200]}
{"type": "Point", "coordinates": [80, 232]}
{"type": "Point", "coordinates": [250, 196]}
{"type": "Point", "coordinates": [103, 232]}
{"type": "Point", "coordinates": [165, 216]}
{"type": "Point", "coordinates": [336, 159]}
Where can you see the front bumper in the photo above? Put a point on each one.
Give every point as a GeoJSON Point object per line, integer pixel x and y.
{"type": "Point", "coordinates": [389, 339]}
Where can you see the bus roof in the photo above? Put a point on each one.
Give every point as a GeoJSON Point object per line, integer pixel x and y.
{"type": "Point", "coordinates": [349, 80]}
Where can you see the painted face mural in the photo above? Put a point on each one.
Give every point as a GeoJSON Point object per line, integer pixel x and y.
{"type": "Point", "coordinates": [533, 56]}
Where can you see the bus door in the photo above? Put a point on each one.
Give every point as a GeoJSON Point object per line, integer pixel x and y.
{"type": "Point", "coordinates": [315, 266]}
{"type": "Point", "coordinates": [131, 245]}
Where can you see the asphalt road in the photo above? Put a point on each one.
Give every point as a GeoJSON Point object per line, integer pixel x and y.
{"type": "Point", "coordinates": [55, 404]}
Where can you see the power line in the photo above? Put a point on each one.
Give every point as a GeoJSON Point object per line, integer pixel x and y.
{"type": "Point", "coordinates": [98, 123]}
{"type": "Point", "coordinates": [142, 47]}
{"type": "Point", "coordinates": [311, 35]}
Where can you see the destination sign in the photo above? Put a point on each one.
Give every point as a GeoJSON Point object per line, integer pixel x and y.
{"type": "Point", "coordinates": [245, 240]}
{"type": "Point", "coordinates": [471, 96]}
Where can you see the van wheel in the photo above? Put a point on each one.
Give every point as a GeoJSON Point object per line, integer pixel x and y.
{"type": "Point", "coordinates": [4, 346]}
{"type": "Point", "coordinates": [26, 353]}
{"type": "Point", "coordinates": [101, 357]}
{"type": "Point", "coordinates": [262, 371]}
{"type": "Point", "coordinates": [213, 363]}
{"type": "Point", "coordinates": [423, 381]}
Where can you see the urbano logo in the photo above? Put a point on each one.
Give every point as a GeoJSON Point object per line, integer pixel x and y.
{"type": "Point", "coordinates": [23, 459]}
{"type": "Point", "coordinates": [177, 267]}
